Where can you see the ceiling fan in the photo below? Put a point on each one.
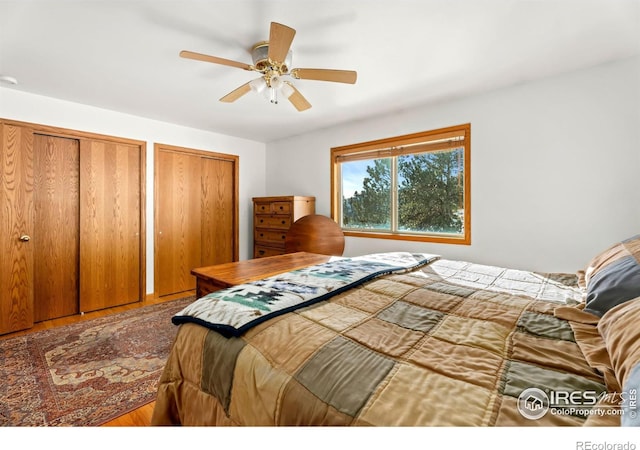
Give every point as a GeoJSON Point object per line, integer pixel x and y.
{"type": "Point", "coordinates": [272, 59]}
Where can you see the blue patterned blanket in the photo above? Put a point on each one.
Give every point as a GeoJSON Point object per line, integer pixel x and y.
{"type": "Point", "coordinates": [234, 310]}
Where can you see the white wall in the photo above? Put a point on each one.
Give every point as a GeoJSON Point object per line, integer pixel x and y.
{"type": "Point", "coordinates": [555, 164]}
{"type": "Point", "coordinates": [26, 107]}
{"type": "Point", "coordinates": [555, 167]}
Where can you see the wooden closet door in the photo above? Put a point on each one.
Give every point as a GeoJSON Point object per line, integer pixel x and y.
{"type": "Point", "coordinates": [218, 206]}
{"type": "Point", "coordinates": [57, 223]}
{"type": "Point", "coordinates": [178, 212]}
{"type": "Point", "coordinates": [16, 226]}
{"type": "Point", "coordinates": [110, 205]}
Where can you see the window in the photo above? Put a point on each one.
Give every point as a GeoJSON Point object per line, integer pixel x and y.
{"type": "Point", "coordinates": [414, 187]}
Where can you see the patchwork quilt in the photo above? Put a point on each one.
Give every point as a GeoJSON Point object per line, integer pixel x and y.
{"type": "Point", "coordinates": [449, 343]}
{"type": "Point", "coordinates": [234, 310]}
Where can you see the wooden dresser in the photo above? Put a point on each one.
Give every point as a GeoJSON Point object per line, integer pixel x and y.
{"type": "Point", "coordinates": [272, 217]}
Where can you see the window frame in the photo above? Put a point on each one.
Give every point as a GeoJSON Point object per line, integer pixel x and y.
{"type": "Point", "coordinates": [392, 147]}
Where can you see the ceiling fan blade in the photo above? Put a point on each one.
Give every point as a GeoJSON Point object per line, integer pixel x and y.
{"type": "Point", "coordinates": [339, 76]}
{"type": "Point", "coordinates": [214, 59]}
{"type": "Point", "coordinates": [236, 93]}
{"type": "Point", "coordinates": [298, 100]}
{"type": "Point", "coordinates": [280, 39]}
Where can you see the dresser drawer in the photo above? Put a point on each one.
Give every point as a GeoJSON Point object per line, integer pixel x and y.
{"type": "Point", "coordinates": [273, 208]}
{"type": "Point", "coordinates": [260, 251]}
{"type": "Point", "coordinates": [281, 207]}
{"type": "Point", "coordinates": [262, 207]}
{"type": "Point", "coordinates": [282, 223]}
{"type": "Point", "coordinates": [263, 235]}
{"type": "Point", "coordinates": [272, 217]}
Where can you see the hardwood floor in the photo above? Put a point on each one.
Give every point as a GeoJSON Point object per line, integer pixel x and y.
{"type": "Point", "coordinates": [139, 417]}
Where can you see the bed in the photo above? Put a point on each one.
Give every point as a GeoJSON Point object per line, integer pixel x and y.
{"type": "Point", "coordinates": [404, 339]}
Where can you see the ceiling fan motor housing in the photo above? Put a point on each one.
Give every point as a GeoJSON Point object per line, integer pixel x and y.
{"type": "Point", "coordinates": [260, 56]}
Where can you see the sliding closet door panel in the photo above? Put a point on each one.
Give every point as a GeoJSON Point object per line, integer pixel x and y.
{"type": "Point", "coordinates": [218, 206]}
{"type": "Point", "coordinates": [16, 228]}
{"type": "Point", "coordinates": [178, 208]}
{"type": "Point", "coordinates": [109, 224]}
{"type": "Point", "coordinates": [55, 236]}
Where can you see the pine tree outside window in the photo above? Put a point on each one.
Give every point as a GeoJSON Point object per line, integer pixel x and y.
{"type": "Point", "coordinates": [412, 187]}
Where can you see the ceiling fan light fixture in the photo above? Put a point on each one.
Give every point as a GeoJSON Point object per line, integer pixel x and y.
{"type": "Point", "coordinates": [278, 87]}
{"type": "Point", "coordinates": [276, 82]}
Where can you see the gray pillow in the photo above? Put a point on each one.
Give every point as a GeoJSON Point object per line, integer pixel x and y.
{"type": "Point", "coordinates": [614, 284]}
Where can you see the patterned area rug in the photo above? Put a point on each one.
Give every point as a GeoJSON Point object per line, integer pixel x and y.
{"type": "Point", "coordinates": [87, 373]}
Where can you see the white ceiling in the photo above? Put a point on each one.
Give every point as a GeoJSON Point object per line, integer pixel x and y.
{"type": "Point", "coordinates": [124, 55]}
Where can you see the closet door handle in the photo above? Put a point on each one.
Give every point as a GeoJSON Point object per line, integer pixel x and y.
{"type": "Point", "coordinates": [25, 238]}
